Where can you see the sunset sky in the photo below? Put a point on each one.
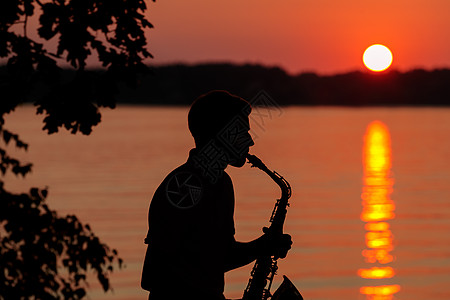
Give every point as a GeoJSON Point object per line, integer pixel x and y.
{"type": "Point", "coordinates": [323, 36]}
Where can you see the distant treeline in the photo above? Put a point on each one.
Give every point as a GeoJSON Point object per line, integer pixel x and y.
{"type": "Point", "coordinates": [180, 84]}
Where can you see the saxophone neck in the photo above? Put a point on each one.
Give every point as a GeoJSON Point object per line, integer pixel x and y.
{"type": "Point", "coordinates": [282, 183]}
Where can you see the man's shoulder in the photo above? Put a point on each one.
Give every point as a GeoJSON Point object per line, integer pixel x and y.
{"type": "Point", "coordinates": [190, 174]}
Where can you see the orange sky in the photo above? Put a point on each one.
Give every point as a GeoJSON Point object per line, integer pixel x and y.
{"type": "Point", "coordinates": [324, 36]}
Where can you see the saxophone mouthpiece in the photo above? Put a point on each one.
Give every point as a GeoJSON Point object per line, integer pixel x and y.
{"type": "Point", "coordinates": [255, 161]}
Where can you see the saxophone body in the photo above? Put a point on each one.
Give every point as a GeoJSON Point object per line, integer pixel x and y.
{"type": "Point", "coordinates": [265, 268]}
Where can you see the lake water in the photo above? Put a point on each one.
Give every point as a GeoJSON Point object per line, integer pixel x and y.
{"type": "Point", "coordinates": [108, 179]}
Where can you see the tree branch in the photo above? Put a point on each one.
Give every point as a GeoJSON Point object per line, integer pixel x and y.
{"type": "Point", "coordinates": [25, 26]}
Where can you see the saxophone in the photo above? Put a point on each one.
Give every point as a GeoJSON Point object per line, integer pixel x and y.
{"type": "Point", "coordinates": [265, 268]}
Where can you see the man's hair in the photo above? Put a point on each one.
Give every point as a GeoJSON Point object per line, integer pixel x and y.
{"type": "Point", "coordinates": [211, 112]}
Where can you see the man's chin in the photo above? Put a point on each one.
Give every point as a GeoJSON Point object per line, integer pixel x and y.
{"type": "Point", "coordinates": [239, 162]}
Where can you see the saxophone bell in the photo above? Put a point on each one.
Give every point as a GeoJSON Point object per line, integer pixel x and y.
{"type": "Point", "coordinates": [287, 291]}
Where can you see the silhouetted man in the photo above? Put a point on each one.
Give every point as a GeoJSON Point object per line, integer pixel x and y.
{"type": "Point", "coordinates": [191, 227]}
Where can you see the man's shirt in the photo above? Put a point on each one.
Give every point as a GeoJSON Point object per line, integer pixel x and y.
{"type": "Point", "coordinates": [191, 229]}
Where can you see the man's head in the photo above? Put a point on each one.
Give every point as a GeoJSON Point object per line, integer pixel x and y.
{"type": "Point", "coordinates": [223, 118]}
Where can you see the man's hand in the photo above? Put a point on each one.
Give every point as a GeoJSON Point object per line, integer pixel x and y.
{"type": "Point", "coordinates": [277, 245]}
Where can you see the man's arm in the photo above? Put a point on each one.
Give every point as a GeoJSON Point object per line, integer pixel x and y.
{"type": "Point", "coordinates": [241, 254]}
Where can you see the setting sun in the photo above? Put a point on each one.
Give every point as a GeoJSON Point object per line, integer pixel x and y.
{"type": "Point", "coordinates": [377, 58]}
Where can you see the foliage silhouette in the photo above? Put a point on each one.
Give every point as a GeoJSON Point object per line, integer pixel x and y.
{"type": "Point", "coordinates": [38, 243]}
{"type": "Point", "coordinates": [44, 255]}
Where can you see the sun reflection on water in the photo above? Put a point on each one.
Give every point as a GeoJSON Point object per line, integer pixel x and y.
{"type": "Point", "coordinates": [378, 209]}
